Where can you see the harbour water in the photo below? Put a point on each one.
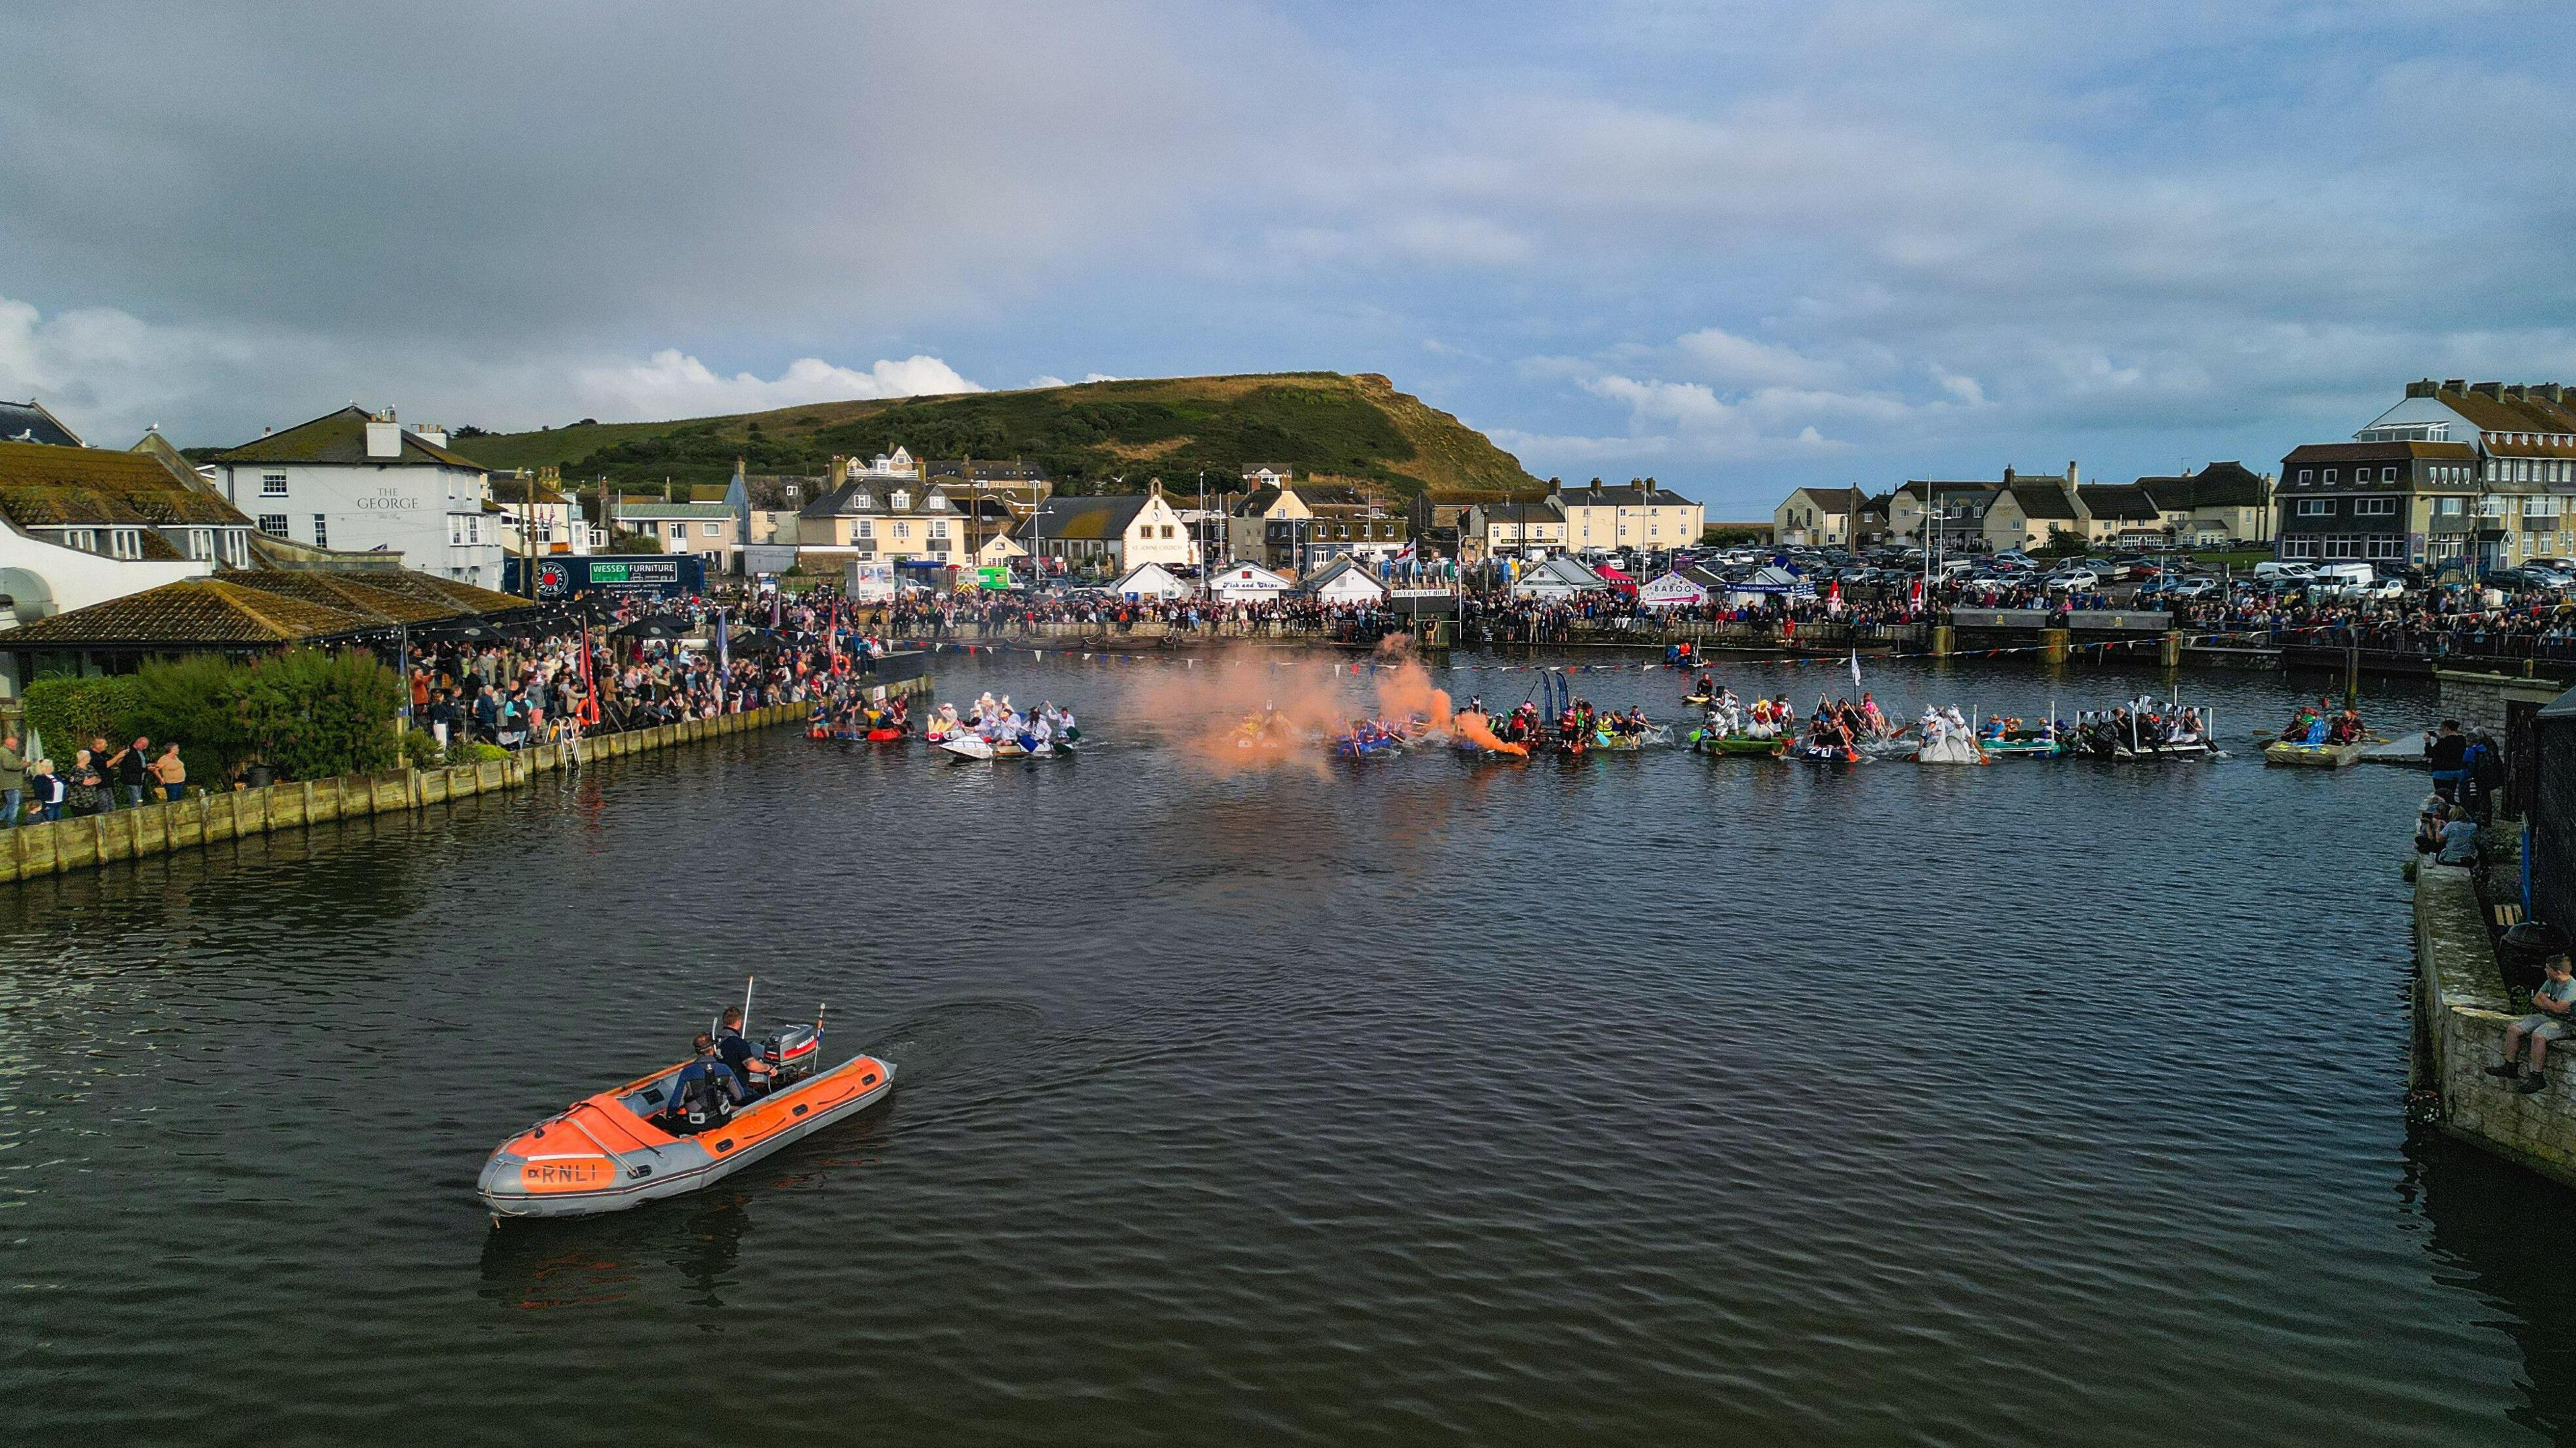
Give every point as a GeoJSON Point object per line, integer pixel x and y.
{"type": "Point", "coordinates": [1646, 1099]}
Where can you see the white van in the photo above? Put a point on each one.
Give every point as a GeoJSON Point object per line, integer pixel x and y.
{"type": "Point", "coordinates": [2341, 578]}
{"type": "Point", "coordinates": [2269, 569]}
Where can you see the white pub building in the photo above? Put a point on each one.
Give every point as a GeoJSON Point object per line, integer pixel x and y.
{"type": "Point", "coordinates": [359, 481]}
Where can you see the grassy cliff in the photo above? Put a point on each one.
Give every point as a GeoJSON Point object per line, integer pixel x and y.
{"type": "Point", "coordinates": [1095, 437]}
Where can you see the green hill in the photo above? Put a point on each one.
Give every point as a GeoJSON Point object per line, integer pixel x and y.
{"type": "Point", "coordinates": [1094, 437]}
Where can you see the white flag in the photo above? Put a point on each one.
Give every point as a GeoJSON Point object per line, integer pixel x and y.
{"type": "Point", "coordinates": [1855, 668]}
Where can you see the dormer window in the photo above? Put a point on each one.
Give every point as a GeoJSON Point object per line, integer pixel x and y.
{"type": "Point", "coordinates": [201, 544]}
{"type": "Point", "coordinates": [901, 501]}
{"type": "Point", "coordinates": [84, 539]}
{"type": "Point", "coordinates": [862, 500]}
{"type": "Point", "coordinates": [938, 503]}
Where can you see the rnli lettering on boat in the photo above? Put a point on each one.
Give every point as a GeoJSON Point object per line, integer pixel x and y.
{"type": "Point", "coordinates": [563, 1174]}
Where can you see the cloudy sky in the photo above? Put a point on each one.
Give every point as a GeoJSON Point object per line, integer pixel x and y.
{"type": "Point", "coordinates": [1738, 246]}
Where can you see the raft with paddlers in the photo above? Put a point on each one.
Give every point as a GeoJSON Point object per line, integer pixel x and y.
{"type": "Point", "coordinates": [634, 1143]}
{"type": "Point", "coordinates": [1746, 745]}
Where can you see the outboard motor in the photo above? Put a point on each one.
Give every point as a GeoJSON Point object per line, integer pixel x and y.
{"type": "Point", "coordinates": [792, 1053]}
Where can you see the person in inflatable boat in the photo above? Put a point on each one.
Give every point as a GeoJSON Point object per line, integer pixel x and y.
{"type": "Point", "coordinates": [706, 1088]}
{"type": "Point", "coordinates": [749, 1067]}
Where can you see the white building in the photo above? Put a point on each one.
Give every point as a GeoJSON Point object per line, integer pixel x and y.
{"type": "Point", "coordinates": [1109, 534]}
{"type": "Point", "coordinates": [356, 481]}
{"type": "Point", "coordinates": [1248, 583]}
{"type": "Point", "coordinates": [1344, 581]}
{"type": "Point", "coordinates": [1150, 580]}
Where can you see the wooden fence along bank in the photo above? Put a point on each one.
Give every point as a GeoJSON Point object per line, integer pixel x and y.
{"type": "Point", "coordinates": [53, 847]}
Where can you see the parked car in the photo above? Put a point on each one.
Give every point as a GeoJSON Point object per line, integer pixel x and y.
{"type": "Point", "coordinates": [2201, 587]}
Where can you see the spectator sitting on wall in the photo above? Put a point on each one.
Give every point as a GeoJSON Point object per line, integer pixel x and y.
{"type": "Point", "coordinates": [2428, 824]}
{"type": "Point", "coordinates": [2459, 839]}
{"type": "Point", "coordinates": [2548, 1021]}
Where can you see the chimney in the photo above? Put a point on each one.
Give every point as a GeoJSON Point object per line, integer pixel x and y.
{"type": "Point", "coordinates": [2455, 384]}
{"type": "Point", "coordinates": [2420, 389]}
{"type": "Point", "coordinates": [384, 435]}
{"type": "Point", "coordinates": [2549, 390]}
{"type": "Point", "coordinates": [2070, 472]}
{"type": "Point", "coordinates": [434, 434]}
{"type": "Point", "coordinates": [2008, 477]}
{"type": "Point", "coordinates": [2514, 391]}
{"type": "Point", "coordinates": [840, 470]}
{"type": "Point", "coordinates": [2494, 390]}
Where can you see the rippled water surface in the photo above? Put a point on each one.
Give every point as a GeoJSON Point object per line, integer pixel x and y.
{"type": "Point", "coordinates": [1649, 1100]}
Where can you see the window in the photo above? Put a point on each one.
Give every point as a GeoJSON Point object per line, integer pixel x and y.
{"type": "Point", "coordinates": [2299, 545]}
{"type": "Point", "coordinates": [2343, 545]}
{"type": "Point", "coordinates": [321, 531]}
{"type": "Point", "coordinates": [2316, 507]}
{"type": "Point", "coordinates": [864, 529]}
{"type": "Point", "coordinates": [710, 530]}
{"type": "Point", "coordinates": [125, 542]}
{"type": "Point", "coordinates": [939, 530]}
{"type": "Point", "coordinates": [2374, 507]}
{"type": "Point", "coordinates": [272, 485]}
{"type": "Point", "coordinates": [274, 524]}
{"type": "Point", "coordinates": [2388, 475]}
{"type": "Point", "coordinates": [902, 532]}
{"type": "Point", "coordinates": [2545, 506]}
{"type": "Point", "coordinates": [2307, 475]}
{"type": "Point", "coordinates": [455, 530]}
{"type": "Point", "coordinates": [1167, 530]}
{"type": "Point", "coordinates": [2387, 545]}
{"type": "Point", "coordinates": [2490, 506]}
{"type": "Point", "coordinates": [236, 547]}
{"type": "Point", "coordinates": [201, 544]}
{"type": "Point", "coordinates": [2449, 507]}
{"type": "Point", "coordinates": [679, 532]}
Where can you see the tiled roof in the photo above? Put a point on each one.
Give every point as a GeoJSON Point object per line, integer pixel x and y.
{"type": "Point", "coordinates": [346, 592]}
{"type": "Point", "coordinates": [196, 611]}
{"type": "Point", "coordinates": [1831, 500]}
{"type": "Point", "coordinates": [30, 422]}
{"type": "Point", "coordinates": [1631, 496]}
{"type": "Point", "coordinates": [2506, 412]}
{"type": "Point", "coordinates": [2219, 485]}
{"type": "Point", "coordinates": [341, 437]}
{"type": "Point", "coordinates": [2121, 503]}
{"type": "Point", "coordinates": [631, 510]}
{"type": "Point", "coordinates": [1104, 518]}
{"type": "Point", "coordinates": [432, 588]}
{"type": "Point", "coordinates": [2375, 452]}
{"type": "Point", "coordinates": [2042, 500]}
{"type": "Point", "coordinates": [1256, 502]}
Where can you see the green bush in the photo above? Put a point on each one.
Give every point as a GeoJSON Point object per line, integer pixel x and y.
{"type": "Point", "coordinates": [483, 752]}
{"type": "Point", "coordinates": [67, 712]}
{"type": "Point", "coordinates": [313, 714]}
{"type": "Point", "coordinates": [420, 749]}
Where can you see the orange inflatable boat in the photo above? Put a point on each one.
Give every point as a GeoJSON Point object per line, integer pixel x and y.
{"type": "Point", "coordinates": [623, 1147]}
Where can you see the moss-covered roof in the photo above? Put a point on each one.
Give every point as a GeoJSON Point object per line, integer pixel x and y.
{"type": "Point", "coordinates": [197, 612]}
{"type": "Point", "coordinates": [53, 487]}
{"type": "Point", "coordinates": [344, 592]}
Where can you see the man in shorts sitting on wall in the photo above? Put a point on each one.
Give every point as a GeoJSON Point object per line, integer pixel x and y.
{"type": "Point", "coordinates": [2549, 1020]}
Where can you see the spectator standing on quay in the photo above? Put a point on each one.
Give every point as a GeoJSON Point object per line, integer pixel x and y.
{"type": "Point", "coordinates": [85, 789]}
{"type": "Point", "coordinates": [45, 790]}
{"type": "Point", "coordinates": [13, 779]}
{"type": "Point", "coordinates": [102, 764]}
{"type": "Point", "coordinates": [134, 770]}
{"type": "Point", "coordinates": [170, 772]}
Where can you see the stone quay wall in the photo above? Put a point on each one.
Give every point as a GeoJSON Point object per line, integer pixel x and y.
{"type": "Point", "coordinates": [2461, 1011]}
{"type": "Point", "coordinates": [55, 847]}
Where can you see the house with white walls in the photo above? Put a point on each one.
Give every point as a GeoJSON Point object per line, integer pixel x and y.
{"type": "Point", "coordinates": [356, 480]}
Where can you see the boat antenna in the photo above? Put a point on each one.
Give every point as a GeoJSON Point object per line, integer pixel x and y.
{"type": "Point", "coordinates": [819, 1008]}
{"type": "Point", "coordinates": [747, 982]}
